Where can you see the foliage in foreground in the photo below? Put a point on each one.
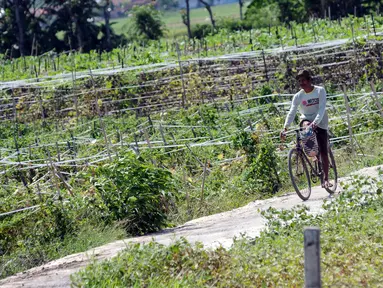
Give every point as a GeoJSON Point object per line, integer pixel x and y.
{"type": "Point", "coordinates": [134, 192]}
{"type": "Point", "coordinates": [128, 191]}
{"type": "Point", "coordinates": [351, 249]}
{"type": "Point", "coordinates": [35, 250]}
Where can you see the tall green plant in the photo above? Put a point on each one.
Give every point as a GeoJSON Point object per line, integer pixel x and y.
{"type": "Point", "coordinates": [262, 162]}
{"type": "Point", "coordinates": [135, 192]}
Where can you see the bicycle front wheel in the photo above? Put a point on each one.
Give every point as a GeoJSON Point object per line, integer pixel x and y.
{"type": "Point", "coordinates": [299, 174]}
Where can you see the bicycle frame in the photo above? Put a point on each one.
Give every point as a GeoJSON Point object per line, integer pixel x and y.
{"type": "Point", "coordinates": [315, 169]}
{"type": "Point", "coordinates": [312, 170]}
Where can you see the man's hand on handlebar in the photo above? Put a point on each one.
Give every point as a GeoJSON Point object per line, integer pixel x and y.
{"type": "Point", "coordinates": [282, 135]}
{"type": "Point", "coordinates": [313, 126]}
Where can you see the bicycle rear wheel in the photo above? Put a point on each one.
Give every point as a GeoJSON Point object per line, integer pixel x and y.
{"type": "Point", "coordinates": [332, 173]}
{"type": "Point", "coordinates": [299, 174]}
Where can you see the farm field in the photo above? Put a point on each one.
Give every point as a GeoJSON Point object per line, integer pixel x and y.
{"type": "Point", "coordinates": [94, 141]}
{"type": "Point", "coordinates": [173, 21]}
{"type": "Point", "coordinates": [164, 52]}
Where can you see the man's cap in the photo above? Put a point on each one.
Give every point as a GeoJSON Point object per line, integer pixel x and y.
{"type": "Point", "coordinates": [303, 73]}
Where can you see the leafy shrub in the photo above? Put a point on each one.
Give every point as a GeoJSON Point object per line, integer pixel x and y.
{"type": "Point", "coordinates": [204, 115]}
{"type": "Point", "coordinates": [231, 24]}
{"type": "Point", "coordinates": [262, 171]}
{"type": "Point", "coordinates": [146, 22]}
{"type": "Point", "coordinates": [127, 190]}
{"type": "Point", "coordinates": [261, 17]}
{"type": "Point", "coordinates": [247, 142]}
{"type": "Point", "coordinates": [200, 31]}
{"type": "Point", "coordinates": [134, 192]}
{"type": "Point", "coordinates": [263, 91]}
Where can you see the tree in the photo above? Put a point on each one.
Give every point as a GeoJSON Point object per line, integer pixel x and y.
{"type": "Point", "coordinates": [290, 10]}
{"type": "Point", "coordinates": [76, 19]}
{"type": "Point", "coordinates": [20, 21]}
{"type": "Point", "coordinates": [185, 14]}
{"type": "Point", "coordinates": [20, 28]}
{"type": "Point", "coordinates": [372, 6]}
{"type": "Point", "coordinates": [208, 8]}
{"type": "Point", "coordinates": [7, 39]}
{"type": "Point", "coordinates": [343, 8]}
{"type": "Point", "coordinates": [147, 23]}
{"type": "Point", "coordinates": [107, 10]}
{"type": "Point", "coordinates": [263, 17]}
{"type": "Point", "coordinates": [240, 2]}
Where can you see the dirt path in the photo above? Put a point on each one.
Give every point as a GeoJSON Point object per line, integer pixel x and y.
{"type": "Point", "coordinates": [212, 230]}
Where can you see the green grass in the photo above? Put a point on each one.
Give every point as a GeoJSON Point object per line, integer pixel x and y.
{"type": "Point", "coordinates": [173, 21]}
{"type": "Point", "coordinates": [351, 252]}
{"type": "Point", "coordinates": [37, 253]}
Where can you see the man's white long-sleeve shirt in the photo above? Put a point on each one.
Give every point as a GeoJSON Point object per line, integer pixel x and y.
{"type": "Point", "coordinates": [312, 107]}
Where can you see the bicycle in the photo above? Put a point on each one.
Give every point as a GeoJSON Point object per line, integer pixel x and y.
{"type": "Point", "coordinates": [299, 172]}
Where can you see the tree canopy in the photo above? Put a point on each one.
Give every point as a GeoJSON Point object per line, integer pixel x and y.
{"type": "Point", "coordinates": [302, 10]}
{"type": "Point", "coordinates": [58, 25]}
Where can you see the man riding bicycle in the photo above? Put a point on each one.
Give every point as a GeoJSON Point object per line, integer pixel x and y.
{"type": "Point", "coordinates": [312, 102]}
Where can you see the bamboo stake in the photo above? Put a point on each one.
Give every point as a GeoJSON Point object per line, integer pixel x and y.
{"type": "Point", "coordinates": [15, 137]}
{"type": "Point", "coordinates": [373, 24]}
{"type": "Point", "coordinates": [57, 174]}
{"type": "Point", "coordinates": [345, 97]}
{"type": "Point", "coordinates": [162, 134]}
{"type": "Point", "coordinates": [264, 63]}
{"type": "Point", "coordinates": [53, 179]}
{"type": "Point", "coordinates": [187, 197]}
{"type": "Point", "coordinates": [58, 152]}
{"type": "Point", "coordinates": [135, 140]}
{"type": "Point", "coordinates": [375, 98]}
{"type": "Point", "coordinates": [149, 144]}
{"type": "Point", "coordinates": [100, 118]}
{"type": "Point", "coordinates": [39, 192]}
{"type": "Point", "coordinates": [203, 185]}
{"type": "Point", "coordinates": [42, 109]}
{"type": "Point", "coordinates": [182, 77]}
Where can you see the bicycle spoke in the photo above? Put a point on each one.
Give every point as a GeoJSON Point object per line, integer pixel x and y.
{"type": "Point", "coordinates": [299, 174]}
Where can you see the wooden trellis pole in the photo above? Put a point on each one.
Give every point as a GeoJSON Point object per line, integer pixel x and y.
{"type": "Point", "coordinates": [182, 77]}
{"type": "Point", "coordinates": [375, 98]}
{"type": "Point", "coordinates": [345, 97]}
{"type": "Point", "coordinates": [265, 66]}
{"type": "Point", "coordinates": [312, 257]}
{"type": "Point", "coordinates": [203, 184]}
{"type": "Point", "coordinates": [100, 118]}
